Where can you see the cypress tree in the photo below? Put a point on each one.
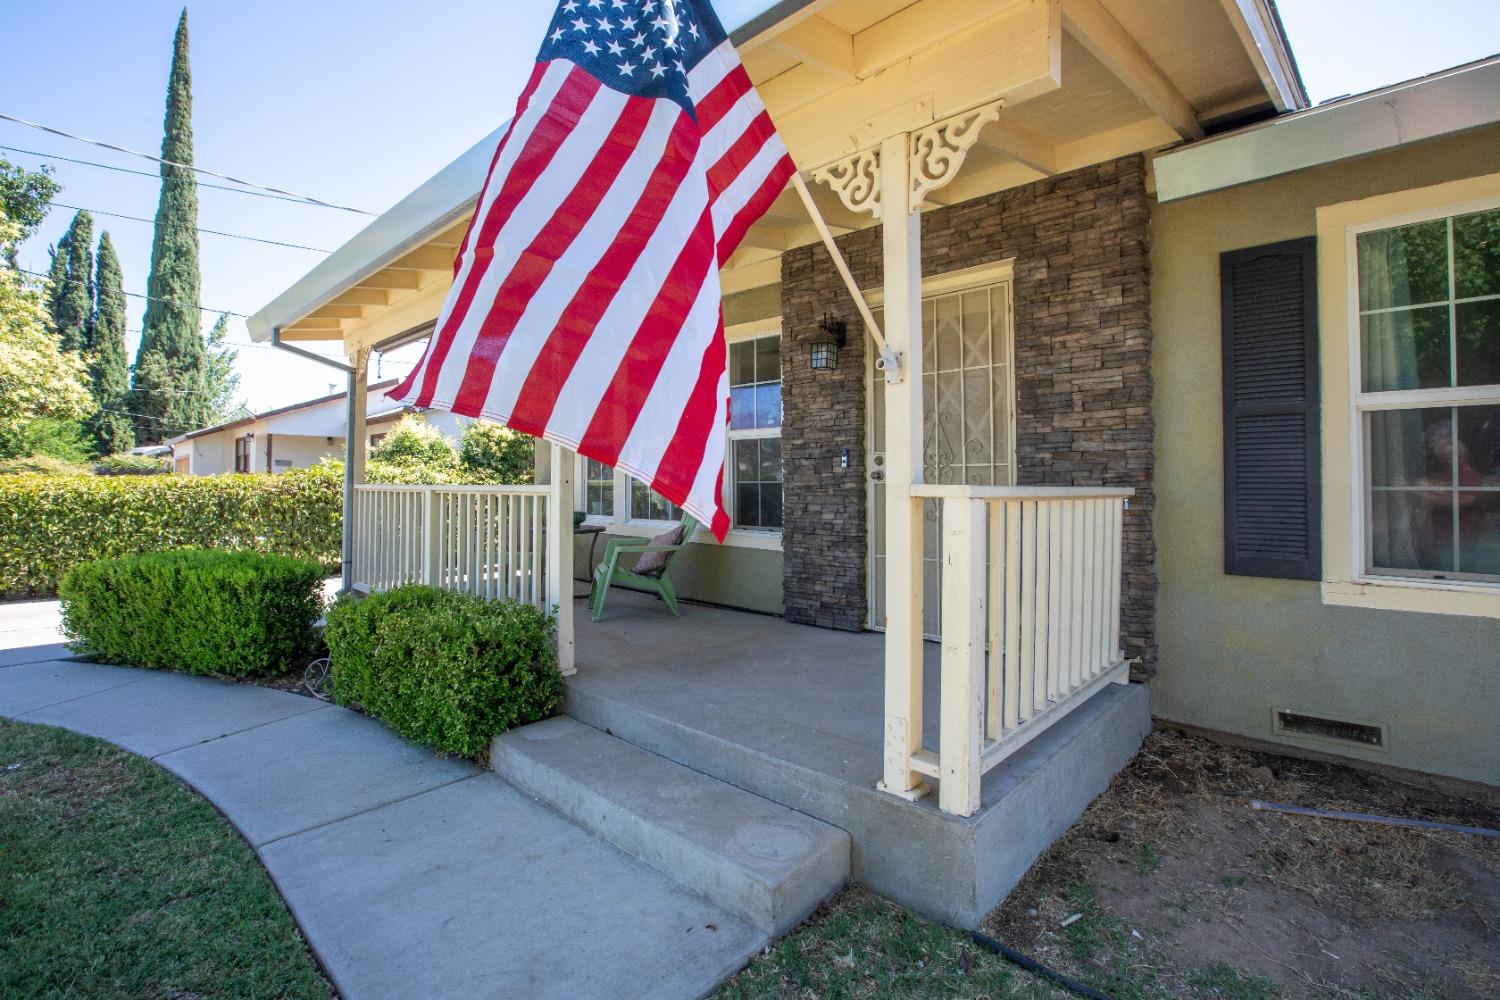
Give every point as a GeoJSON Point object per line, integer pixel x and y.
{"type": "Point", "coordinates": [170, 366]}
{"type": "Point", "coordinates": [72, 293]}
{"type": "Point", "coordinates": [111, 429]}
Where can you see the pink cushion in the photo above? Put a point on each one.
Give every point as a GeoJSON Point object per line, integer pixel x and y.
{"type": "Point", "coordinates": [654, 562]}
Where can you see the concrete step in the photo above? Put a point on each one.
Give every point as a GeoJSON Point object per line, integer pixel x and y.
{"type": "Point", "coordinates": [761, 861]}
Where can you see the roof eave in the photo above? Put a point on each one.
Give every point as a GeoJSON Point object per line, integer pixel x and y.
{"type": "Point", "coordinates": [1446, 103]}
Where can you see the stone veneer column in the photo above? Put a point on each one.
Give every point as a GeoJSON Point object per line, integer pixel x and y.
{"type": "Point", "coordinates": [1083, 376]}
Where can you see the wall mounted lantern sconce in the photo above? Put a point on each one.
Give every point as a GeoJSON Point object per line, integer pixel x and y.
{"type": "Point", "coordinates": [825, 350]}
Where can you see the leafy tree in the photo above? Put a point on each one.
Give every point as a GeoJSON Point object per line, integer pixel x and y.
{"type": "Point", "coordinates": [37, 380]}
{"type": "Point", "coordinates": [25, 196]}
{"type": "Point", "coordinates": [415, 441]}
{"type": "Point", "coordinates": [170, 368]}
{"type": "Point", "coordinates": [489, 453]}
{"type": "Point", "coordinates": [111, 429]}
{"type": "Point", "coordinates": [72, 292]}
{"type": "Point", "coordinates": [48, 439]}
{"type": "Point", "coordinates": [220, 380]}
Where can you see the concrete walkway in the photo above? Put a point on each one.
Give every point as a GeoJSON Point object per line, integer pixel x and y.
{"type": "Point", "coordinates": [411, 875]}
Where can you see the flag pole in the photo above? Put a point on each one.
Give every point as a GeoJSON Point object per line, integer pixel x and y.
{"type": "Point", "coordinates": [890, 361]}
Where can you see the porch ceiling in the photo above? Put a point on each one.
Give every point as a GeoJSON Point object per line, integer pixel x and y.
{"type": "Point", "coordinates": [1079, 81]}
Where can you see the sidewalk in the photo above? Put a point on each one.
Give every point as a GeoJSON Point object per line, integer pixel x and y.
{"type": "Point", "coordinates": [411, 875]}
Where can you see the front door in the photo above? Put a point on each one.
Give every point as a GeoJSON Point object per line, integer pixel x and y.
{"type": "Point", "coordinates": [968, 404]}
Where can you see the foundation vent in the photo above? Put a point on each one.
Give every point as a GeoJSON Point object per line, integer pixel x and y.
{"type": "Point", "coordinates": [1360, 734]}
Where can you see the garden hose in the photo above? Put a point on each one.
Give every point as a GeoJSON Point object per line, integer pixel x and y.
{"type": "Point", "coordinates": [1033, 966]}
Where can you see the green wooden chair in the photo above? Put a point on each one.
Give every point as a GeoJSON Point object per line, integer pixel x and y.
{"type": "Point", "coordinates": [653, 579]}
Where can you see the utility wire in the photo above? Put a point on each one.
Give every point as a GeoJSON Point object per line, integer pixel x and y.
{"type": "Point", "coordinates": [293, 199]}
{"type": "Point", "coordinates": [210, 232]}
{"type": "Point", "coordinates": [173, 163]}
{"type": "Point", "coordinates": [153, 298]}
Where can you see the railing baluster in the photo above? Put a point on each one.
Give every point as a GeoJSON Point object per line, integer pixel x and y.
{"type": "Point", "coordinates": [994, 583]}
{"type": "Point", "coordinates": [1115, 551]}
{"type": "Point", "coordinates": [1055, 584]}
{"type": "Point", "coordinates": [1013, 566]}
{"type": "Point", "coordinates": [1028, 608]}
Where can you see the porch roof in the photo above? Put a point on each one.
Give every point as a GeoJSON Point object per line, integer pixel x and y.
{"type": "Point", "coordinates": [1079, 81]}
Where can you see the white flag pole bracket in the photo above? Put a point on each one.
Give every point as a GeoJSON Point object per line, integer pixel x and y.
{"type": "Point", "coordinates": [889, 362]}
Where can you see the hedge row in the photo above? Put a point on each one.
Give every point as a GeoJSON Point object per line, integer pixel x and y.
{"type": "Point", "coordinates": [227, 614]}
{"type": "Point", "coordinates": [49, 524]}
{"type": "Point", "coordinates": [446, 669]}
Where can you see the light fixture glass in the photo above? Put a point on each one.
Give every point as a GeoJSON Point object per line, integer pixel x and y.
{"type": "Point", "coordinates": [825, 350]}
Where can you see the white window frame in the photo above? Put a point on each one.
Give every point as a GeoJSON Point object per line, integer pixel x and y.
{"type": "Point", "coordinates": [738, 335]}
{"type": "Point", "coordinates": [1347, 578]}
{"type": "Point", "coordinates": [621, 523]}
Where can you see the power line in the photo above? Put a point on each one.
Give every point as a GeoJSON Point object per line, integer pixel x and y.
{"type": "Point", "coordinates": [153, 298]}
{"type": "Point", "coordinates": [291, 199]}
{"type": "Point", "coordinates": [183, 166]}
{"type": "Point", "coordinates": [210, 232]}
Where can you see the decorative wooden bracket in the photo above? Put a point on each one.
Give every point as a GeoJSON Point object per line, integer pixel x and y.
{"type": "Point", "coordinates": [937, 153]}
{"type": "Point", "coordinates": [855, 179]}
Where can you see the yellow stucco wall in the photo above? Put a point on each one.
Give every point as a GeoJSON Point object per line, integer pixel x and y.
{"type": "Point", "coordinates": [1233, 649]}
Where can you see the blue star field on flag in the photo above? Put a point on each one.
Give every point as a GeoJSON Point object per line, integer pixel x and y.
{"type": "Point", "coordinates": [644, 48]}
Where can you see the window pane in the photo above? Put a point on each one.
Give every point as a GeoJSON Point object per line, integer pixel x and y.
{"type": "Point", "coordinates": [770, 505]}
{"type": "Point", "coordinates": [742, 363]}
{"type": "Point", "coordinates": [599, 489]}
{"type": "Point", "coordinates": [1411, 448]}
{"type": "Point", "coordinates": [768, 359]}
{"type": "Point", "coordinates": [1478, 446]}
{"type": "Point", "coordinates": [1406, 350]}
{"type": "Point", "coordinates": [1479, 343]}
{"type": "Point", "coordinates": [770, 461]}
{"type": "Point", "coordinates": [1479, 532]}
{"type": "Point", "coordinates": [768, 405]}
{"type": "Point", "coordinates": [1476, 250]}
{"type": "Point", "coordinates": [1405, 266]}
{"type": "Point", "coordinates": [747, 505]}
{"type": "Point", "coordinates": [648, 506]}
{"type": "Point", "coordinates": [741, 408]}
{"type": "Point", "coordinates": [746, 461]}
{"type": "Point", "coordinates": [1412, 529]}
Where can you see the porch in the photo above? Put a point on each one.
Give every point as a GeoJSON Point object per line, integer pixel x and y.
{"type": "Point", "coordinates": [1020, 714]}
{"type": "Point", "coordinates": [795, 714]}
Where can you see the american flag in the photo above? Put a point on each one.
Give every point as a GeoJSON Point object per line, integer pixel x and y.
{"type": "Point", "coordinates": [586, 304]}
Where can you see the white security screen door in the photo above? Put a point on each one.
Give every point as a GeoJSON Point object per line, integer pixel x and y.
{"type": "Point", "coordinates": [968, 403]}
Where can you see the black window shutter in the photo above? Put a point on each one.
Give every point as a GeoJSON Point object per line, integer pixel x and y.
{"type": "Point", "coordinates": [1272, 466]}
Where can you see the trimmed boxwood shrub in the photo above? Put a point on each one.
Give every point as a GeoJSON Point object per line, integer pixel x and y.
{"type": "Point", "coordinates": [49, 523]}
{"type": "Point", "coordinates": [445, 669]}
{"type": "Point", "coordinates": [199, 612]}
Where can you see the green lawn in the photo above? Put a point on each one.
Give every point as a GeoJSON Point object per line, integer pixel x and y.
{"type": "Point", "coordinates": [116, 880]}
{"type": "Point", "coordinates": [860, 946]}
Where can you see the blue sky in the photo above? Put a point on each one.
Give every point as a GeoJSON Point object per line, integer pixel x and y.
{"type": "Point", "coordinates": [358, 103]}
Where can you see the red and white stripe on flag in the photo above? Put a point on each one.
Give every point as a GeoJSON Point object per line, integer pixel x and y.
{"type": "Point", "coordinates": [586, 303]}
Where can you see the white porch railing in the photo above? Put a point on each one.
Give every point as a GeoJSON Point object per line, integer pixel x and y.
{"type": "Point", "coordinates": [1030, 621]}
{"type": "Point", "coordinates": [483, 540]}
{"type": "Point", "coordinates": [498, 542]}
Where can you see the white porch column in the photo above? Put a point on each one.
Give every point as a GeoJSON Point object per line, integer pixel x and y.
{"type": "Point", "coordinates": [902, 232]}
{"type": "Point", "coordinates": [560, 502]}
{"type": "Point", "coordinates": [354, 453]}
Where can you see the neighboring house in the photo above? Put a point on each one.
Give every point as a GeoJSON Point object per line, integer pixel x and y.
{"type": "Point", "coordinates": [293, 437]}
{"type": "Point", "coordinates": [1088, 180]}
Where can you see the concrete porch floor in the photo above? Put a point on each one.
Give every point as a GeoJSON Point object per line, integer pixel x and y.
{"type": "Point", "coordinates": [796, 714]}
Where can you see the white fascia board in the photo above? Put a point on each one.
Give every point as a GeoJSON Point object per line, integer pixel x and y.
{"type": "Point", "coordinates": [424, 213]}
{"type": "Point", "coordinates": [444, 199]}
{"type": "Point", "coordinates": [1456, 100]}
{"type": "Point", "coordinates": [1261, 32]}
